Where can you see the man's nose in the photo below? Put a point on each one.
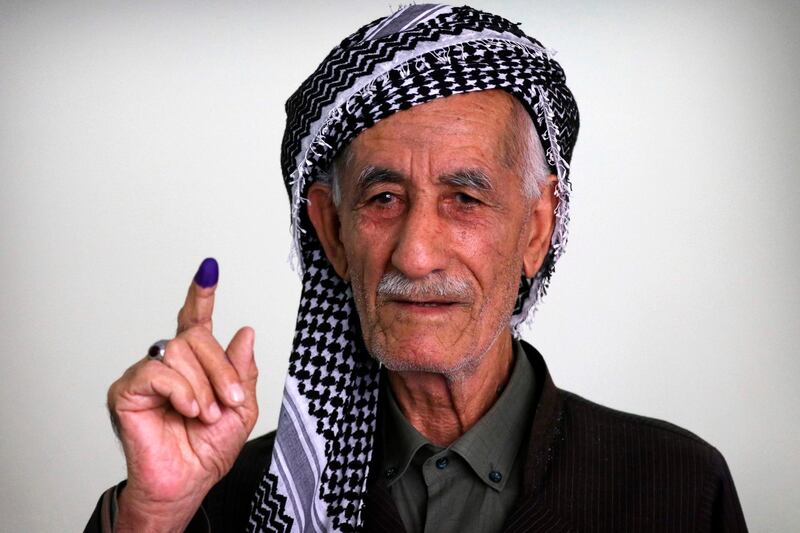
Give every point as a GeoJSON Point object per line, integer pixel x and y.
{"type": "Point", "coordinates": [421, 243]}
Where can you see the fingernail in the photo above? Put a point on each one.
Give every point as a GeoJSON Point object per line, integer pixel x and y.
{"type": "Point", "coordinates": [208, 273]}
{"type": "Point", "coordinates": [195, 408]}
{"type": "Point", "coordinates": [213, 411]}
{"type": "Point", "coordinates": [236, 393]}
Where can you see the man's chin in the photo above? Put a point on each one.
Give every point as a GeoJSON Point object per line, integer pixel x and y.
{"type": "Point", "coordinates": [439, 360]}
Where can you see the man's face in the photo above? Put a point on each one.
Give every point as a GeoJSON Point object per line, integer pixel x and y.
{"type": "Point", "coordinates": [432, 194]}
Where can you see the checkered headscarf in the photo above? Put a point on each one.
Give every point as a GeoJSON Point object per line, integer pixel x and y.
{"type": "Point", "coordinates": [325, 436]}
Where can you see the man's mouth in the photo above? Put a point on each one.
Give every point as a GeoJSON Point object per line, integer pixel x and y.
{"type": "Point", "coordinates": [424, 303]}
{"type": "Point", "coordinates": [431, 304]}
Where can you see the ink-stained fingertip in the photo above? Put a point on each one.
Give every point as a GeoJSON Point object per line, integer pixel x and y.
{"type": "Point", "coordinates": [208, 273]}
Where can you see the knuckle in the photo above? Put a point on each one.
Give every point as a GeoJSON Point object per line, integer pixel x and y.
{"type": "Point", "coordinates": [146, 372]}
{"type": "Point", "coordinates": [175, 349]}
{"type": "Point", "coordinates": [176, 344]}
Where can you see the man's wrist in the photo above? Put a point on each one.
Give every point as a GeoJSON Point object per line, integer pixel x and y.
{"type": "Point", "coordinates": [138, 515]}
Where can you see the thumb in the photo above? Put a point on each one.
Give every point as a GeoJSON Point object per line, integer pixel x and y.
{"type": "Point", "coordinates": [199, 304]}
{"type": "Point", "coordinates": [240, 354]}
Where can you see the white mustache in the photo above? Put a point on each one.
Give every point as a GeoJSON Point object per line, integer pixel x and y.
{"type": "Point", "coordinates": [438, 285]}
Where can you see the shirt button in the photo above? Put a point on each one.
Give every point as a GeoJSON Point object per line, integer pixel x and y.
{"type": "Point", "coordinates": [390, 472]}
{"type": "Point", "coordinates": [441, 463]}
{"type": "Point", "coordinates": [495, 476]}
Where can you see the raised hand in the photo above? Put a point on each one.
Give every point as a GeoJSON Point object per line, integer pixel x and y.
{"type": "Point", "coordinates": [183, 421]}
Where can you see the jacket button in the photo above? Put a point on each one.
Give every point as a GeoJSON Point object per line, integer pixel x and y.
{"type": "Point", "coordinates": [390, 472]}
{"type": "Point", "coordinates": [441, 463]}
{"type": "Point", "coordinates": [495, 476]}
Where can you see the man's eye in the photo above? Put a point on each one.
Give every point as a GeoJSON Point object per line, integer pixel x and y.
{"type": "Point", "coordinates": [383, 198]}
{"type": "Point", "coordinates": [466, 199]}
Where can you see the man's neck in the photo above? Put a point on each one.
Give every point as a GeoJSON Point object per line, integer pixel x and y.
{"type": "Point", "coordinates": [442, 407]}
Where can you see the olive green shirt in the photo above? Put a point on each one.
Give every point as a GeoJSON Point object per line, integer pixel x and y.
{"type": "Point", "coordinates": [472, 484]}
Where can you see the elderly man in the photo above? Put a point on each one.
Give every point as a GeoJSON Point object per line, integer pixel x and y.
{"type": "Point", "coordinates": [427, 164]}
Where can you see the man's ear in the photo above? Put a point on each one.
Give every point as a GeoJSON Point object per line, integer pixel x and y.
{"type": "Point", "coordinates": [325, 219]}
{"type": "Point", "coordinates": [540, 230]}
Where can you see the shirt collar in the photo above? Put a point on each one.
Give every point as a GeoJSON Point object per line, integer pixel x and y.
{"type": "Point", "coordinates": [491, 445]}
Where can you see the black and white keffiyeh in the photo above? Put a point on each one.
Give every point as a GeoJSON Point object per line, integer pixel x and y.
{"type": "Point", "coordinates": [324, 442]}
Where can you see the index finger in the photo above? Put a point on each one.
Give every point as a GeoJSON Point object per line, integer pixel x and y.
{"type": "Point", "coordinates": [199, 304]}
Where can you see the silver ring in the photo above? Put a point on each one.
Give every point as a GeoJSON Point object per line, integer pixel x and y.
{"type": "Point", "coordinates": [158, 350]}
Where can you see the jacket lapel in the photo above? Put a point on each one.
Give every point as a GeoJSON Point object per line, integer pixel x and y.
{"type": "Point", "coordinates": [380, 513]}
{"type": "Point", "coordinates": [532, 512]}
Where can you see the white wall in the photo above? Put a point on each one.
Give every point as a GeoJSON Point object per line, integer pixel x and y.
{"type": "Point", "coordinates": [138, 138]}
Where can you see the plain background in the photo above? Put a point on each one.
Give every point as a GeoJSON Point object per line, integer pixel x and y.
{"type": "Point", "coordinates": [138, 138]}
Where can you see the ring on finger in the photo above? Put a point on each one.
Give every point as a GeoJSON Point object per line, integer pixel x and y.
{"type": "Point", "coordinates": [158, 350]}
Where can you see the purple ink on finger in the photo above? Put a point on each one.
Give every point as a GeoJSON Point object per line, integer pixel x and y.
{"type": "Point", "coordinates": [208, 273]}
